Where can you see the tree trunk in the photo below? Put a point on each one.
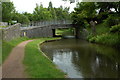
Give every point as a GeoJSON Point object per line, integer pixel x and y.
{"type": "Point", "coordinates": [77, 31]}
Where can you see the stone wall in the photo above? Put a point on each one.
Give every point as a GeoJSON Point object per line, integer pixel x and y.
{"type": "Point", "coordinates": [37, 32]}
{"type": "Point", "coordinates": [11, 32]}
{"type": "Point", "coordinates": [15, 31]}
{"type": "Point", "coordinates": [3, 24]}
{"type": "Point", "coordinates": [44, 31]}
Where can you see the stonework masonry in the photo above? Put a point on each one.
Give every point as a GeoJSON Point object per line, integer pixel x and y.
{"type": "Point", "coordinates": [44, 31]}
{"type": "Point", "coordinates": [3, 24]}
{"type": "Point", "coordinates": [11, 32]}
{"type": "Point", "coordinates": [15, 31]}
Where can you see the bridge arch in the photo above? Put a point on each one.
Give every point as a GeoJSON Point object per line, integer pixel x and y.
{"type": "Point", "coordinates": [43, 30]}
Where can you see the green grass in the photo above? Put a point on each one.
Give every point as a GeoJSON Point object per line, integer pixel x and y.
{"type": "Point", "coordinates": [64, 31]}
{"type": "Point", "coordinates": [37, 65]}
{"type": "Point", "coordinates": [100, 29]}
{"type": "Point", "coordinates": [8, 46]}
{"type": "Point", "coordinates": [3, 26]}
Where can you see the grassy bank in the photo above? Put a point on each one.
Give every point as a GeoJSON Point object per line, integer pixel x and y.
{"type": "Point", "coordinates": [106, 35]}
{"type": "Point", "coordinates": [8, 46]}
{"type": "Point", "coordinates": [37, 65]}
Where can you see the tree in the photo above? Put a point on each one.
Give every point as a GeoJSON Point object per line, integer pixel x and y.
{"type": "Point", "coordinates": [7, 10]}
{"type": "Point", "coordinates": [20, 18]}
{"type": "Point", "coordinates": [29, 16]}
{"type": "Point", "coordinates": [41, 14]}
{"type": "Point", "coordinates": [105, 9]}
{"type": "Point", "coordinates": [52, 11]}
{"type": "Point", "coordinates": [62, 14]}
{"type": "Point", "coordinates": [84, 12]}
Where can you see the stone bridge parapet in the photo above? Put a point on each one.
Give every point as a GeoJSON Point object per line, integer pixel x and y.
{"type": "Point", "coordinates": [42, 31]}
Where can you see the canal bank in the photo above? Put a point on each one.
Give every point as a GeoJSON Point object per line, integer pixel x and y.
{"type": "Point", "coordinates": [37, 65]}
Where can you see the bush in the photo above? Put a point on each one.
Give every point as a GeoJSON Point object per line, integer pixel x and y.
{"type": "Point", "coordinates": [108, 39]}
{"type": "Point", "coordinates": [92, 39]}
{"type": "Point", "coordinates": [115, 28]}
{"type": "Point", "coordinates": [112, 20]}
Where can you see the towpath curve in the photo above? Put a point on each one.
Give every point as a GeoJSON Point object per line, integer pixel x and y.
{"type": "Point", "coordinates": [13, 66]}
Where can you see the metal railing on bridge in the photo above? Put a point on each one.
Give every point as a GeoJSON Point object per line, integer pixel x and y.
{"type": "Point", "coordinates": [46, 23]}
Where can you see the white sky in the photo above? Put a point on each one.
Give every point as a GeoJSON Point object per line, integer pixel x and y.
{"type": "Point", "coordinates": [29, 5]}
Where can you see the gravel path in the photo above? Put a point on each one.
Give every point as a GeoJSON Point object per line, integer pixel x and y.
{"type": "Point", "coordinates": [13, 66]}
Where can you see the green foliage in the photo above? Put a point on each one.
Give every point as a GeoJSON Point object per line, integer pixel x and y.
{"type": "Point", "coordinates": [42, 14]}
{"type": "Point", "coordinates": [115, 28]}
{"type": "Point", "coordinates": [102, 16]}
{"type": "Point", "coordinates": [106, 6]}
{"type": "Point", "coordinates": [101, 29]}
{"type": "Point", "coordinates": [29, 16]}
{"type": "Point", "coordinates": [104, 36]}
{"type": "Point", "coordinates": [20, 18]}
{"type": "Point", "coordinates": [52, 11]}
{"type": "Point", "coordinates": [7, 10]}
{"type": "Point", "coordinates": [91, 38]}
{"type": "Point", "coordinates": [112, 20]}
{"type": "Point", "coordinates": [39, 14]}
{"type": "Point", "coordinates": [8, 46]}
{"type": "Point", "coordinates": [83, 12]}
{"type": "Point", "coordinates": [37, 65]}
{"type": "Point", "coordinates": [105, 17]}
{"type": "Point", "coordinates": [108, 39]}
{"type": "Point", "coordinates": [3, 26]}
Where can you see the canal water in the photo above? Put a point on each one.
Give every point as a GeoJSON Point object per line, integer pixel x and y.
{"type": "Point", "coordinates": [80, 59]}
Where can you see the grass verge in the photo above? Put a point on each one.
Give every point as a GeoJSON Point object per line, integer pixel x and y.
{"type": "Point", "coordinates": [37, 65]}
{"type": "Point", "coordinates": [8, 46]}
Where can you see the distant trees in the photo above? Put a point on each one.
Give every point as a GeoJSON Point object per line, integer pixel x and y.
{"type": "Point", "coordinates": [40, 13]}
{"type": "Point", "coordinates": [7, 11]}
{"type": "Point", "coordinates": [51, 13]}
{"type": "Point", "coordinates": [9, 14]}
{"type": "Point", "coordinates": [21, 18]}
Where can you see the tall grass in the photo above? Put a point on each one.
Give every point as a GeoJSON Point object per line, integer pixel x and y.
{"type": "Point", "coordinates": [106, 35]}
{"type": "Point", "coordinates": [108, 39]}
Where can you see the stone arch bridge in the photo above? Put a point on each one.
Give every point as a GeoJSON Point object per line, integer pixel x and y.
{"type": "Point", "coordinates": [44, 29]}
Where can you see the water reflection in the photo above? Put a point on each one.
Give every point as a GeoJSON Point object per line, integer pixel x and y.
{"type": "Point", "coordinates": [64, 61]}
{"type": "Point", "coordinates": [80, 59]}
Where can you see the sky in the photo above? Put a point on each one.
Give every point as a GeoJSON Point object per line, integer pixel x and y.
{"type": "Point", "coordinates": [29, 5]}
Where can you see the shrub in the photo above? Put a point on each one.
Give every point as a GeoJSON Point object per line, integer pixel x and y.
{"type": "Point", "coordinates": [92, 39]}
{"type": "Point", "coordinates": [115, 28]}
{"type": "Point", "coordinates": [108, 39]}
{"type": "Point", "coordinates": [112, 20]}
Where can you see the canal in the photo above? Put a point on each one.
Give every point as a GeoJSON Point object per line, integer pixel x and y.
{"type": "Point", "coordinates": [80, 59]}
